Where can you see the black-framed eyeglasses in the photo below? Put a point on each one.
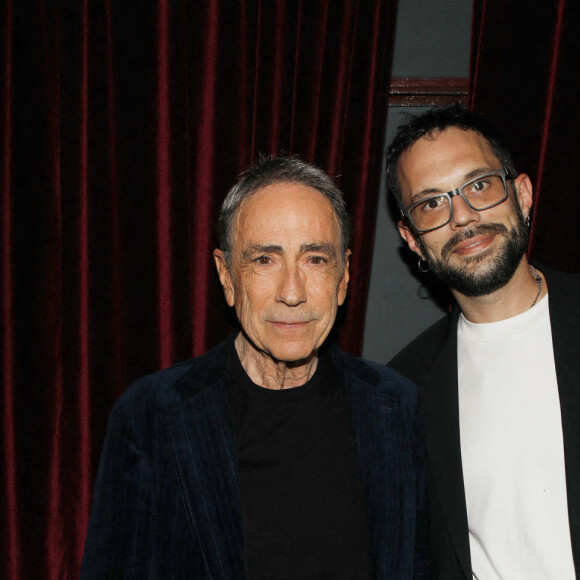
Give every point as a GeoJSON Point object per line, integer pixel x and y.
{"type": "Point", "coordinates": [482, 192]}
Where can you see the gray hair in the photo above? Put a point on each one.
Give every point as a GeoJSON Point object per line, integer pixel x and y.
{"type": "Point", "coordinates": [270, 171]}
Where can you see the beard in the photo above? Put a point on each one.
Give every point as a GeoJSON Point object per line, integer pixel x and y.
{"type": "Point", "coordinates": [494, 273]}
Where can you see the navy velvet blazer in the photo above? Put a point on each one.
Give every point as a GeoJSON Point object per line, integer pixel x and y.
{"type": "Point", "coordinates": [431, 361]}
{"type": "Point", "coordinates": [167, 500]}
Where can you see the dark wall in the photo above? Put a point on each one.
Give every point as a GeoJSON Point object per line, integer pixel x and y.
{"type": "Point", "coordinates": [432, 40]}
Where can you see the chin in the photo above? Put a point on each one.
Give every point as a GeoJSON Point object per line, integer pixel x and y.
{"type": "Point", "coordinates": [292, 354]}
{"type": "Point", "coordinates": [479, 281]}
{"type": "Point", "coordinates": [488, 271]}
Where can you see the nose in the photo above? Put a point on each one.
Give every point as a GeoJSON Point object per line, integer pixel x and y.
{"type": "Point", "coordinates": [292, 287]}
{"type": "Point", "coordinates": [463, 215]}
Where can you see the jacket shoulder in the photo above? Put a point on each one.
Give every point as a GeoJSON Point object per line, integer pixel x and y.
{"type": "Point", "coordinates": [380, 376]}
{"type": "Point", "coordinates": [426, 346]}
{"type": "Point", "coordinates": [172, 385]}
{"type": "Point", "coordinates": [564, 285]}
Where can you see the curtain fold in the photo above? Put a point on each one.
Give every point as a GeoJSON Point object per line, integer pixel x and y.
{"type": "Point", "coordinates": [123, 126]}
{"type": "Point", "coordinates": [525, 76]}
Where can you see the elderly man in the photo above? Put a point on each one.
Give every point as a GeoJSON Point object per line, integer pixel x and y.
{"type": "Point", "coordinates": [499, 375]}
{"type": "Point", "coordinates": [273, 456]}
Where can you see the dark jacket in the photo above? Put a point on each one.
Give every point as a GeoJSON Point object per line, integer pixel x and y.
{"type": "Point", "coordinates": [167, 499]}
{"type": "Point", "coordinates": [431, 362]}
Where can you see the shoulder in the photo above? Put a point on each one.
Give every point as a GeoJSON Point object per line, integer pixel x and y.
{"type": "Point", "coordinates": [171, 386]}
{"type": "Point", "coordinates": [427, 346]}
{"type": "Point", "coordinates": [373, 376]}
{"type": "Point", "coordinates": [564, 307]}
{"type": "Point", "coordinates": [563, 291]}
{"type": "Point", "coordinates": [429, 339]}
{"type": "Point", "coordinates": [561, 285]}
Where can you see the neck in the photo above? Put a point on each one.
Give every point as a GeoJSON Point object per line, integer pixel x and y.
{"type": "Point", "coordinates": [515, 297]}
{"type": "Point", "coordinates": [270, 373]}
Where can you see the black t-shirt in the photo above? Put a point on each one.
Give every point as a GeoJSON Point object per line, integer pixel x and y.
{"type": "Point", "coordinates": [302, 500]}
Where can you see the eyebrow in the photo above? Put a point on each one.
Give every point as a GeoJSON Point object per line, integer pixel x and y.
{"type": "Point", "coordinates": [467, 177]}
{"type": "Point", "coordinates": [247, 253]}
{"type": "Point", "coordinates": [322, 247]}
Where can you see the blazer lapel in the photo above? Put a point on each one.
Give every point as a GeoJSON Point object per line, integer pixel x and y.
{"type": "Point", "coordinates": [201, 432]}
{"type": "Point", "coordinates": [440, 403]}
{"type": "Point", "coordinates": [376, 425]}
{"type": "Point", "coordinates": [565, 323]}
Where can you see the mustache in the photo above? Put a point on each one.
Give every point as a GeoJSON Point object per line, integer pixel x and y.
{"type": "Point", "coordinates": [469, 234]}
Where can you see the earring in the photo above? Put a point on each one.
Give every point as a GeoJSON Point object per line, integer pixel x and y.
{"type": "Point", "coordinates": [424, 270]}
{"type": "Point", "coordinates": [528, 221]}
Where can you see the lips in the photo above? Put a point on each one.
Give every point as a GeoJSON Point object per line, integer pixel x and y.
{"type": "Point", "coordinates": [286, 324]}
{"type": "Point", "coordinates": [476, 244]}
{"type": "Point", "coordinates": [472, 241]}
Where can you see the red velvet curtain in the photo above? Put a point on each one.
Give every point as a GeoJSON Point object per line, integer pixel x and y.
{"type": "Point", "coordinates": [123, 125]}
{"type": "Point", "coordinates": [525, 75]}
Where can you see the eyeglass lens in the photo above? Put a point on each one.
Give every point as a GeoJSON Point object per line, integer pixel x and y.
{"type": "Point", "coordinates": [480, 194]}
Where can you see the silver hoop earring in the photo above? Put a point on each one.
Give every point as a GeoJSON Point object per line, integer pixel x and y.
{"type": "Point", "coordinates": [424, 270]}
{"type": "Point", "coordinates": [528, 222]}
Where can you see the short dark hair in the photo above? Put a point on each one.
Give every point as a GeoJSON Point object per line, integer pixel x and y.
{"type": "Point", "coordinates": [280, 169]}
{"type": "Point", "coordinates": [428, 125]}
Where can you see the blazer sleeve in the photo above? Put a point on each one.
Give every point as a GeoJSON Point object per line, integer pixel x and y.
{"type": "Point", "coordinates": [118, 538]}
{"type": "Point", "coordinates": [421, 556]}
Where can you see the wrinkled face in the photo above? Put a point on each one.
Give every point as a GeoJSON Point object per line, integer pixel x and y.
{"type": "Point", "coordinates": [287, 277]}
{"type": "Point", "coordinates": [477, 252]}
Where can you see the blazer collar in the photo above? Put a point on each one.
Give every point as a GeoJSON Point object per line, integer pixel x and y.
{"type": "Point", "coordinates": [376, 426]}
{"type": "Point", "coordinates": [441, 419]}
{"type": "Point", "coordinates": [563, 293]}
{"type": "Point", "coordinates": [201, 432]}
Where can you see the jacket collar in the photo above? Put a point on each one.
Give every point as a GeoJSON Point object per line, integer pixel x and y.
{"type": "Point", "coordinates": [441, 419]}
{"type": "Point", "coordinates": [563, 293]}
{"type": "Point", "coordinates": [376, 425]}
{"type": "Point", "coordinates": [201, 431]}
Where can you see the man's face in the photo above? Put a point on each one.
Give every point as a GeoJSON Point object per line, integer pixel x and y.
{"type": "Point", "coordinates": [287, 277]}
{"type": "Point", "coordinates": [477, 252]}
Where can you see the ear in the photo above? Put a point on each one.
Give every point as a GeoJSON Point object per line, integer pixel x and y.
{"type": "Point", "coordinates": [408, 235]}
{"type": "Point", "coordinates": [524, 193]}
{"type": "Point", "coordinates": [343, 285]}
{"type": "Point", "coordinates": [225, 276]}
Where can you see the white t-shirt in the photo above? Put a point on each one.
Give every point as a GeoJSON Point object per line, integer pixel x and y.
{"type": "Point", "coordinates": [512, 449]}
